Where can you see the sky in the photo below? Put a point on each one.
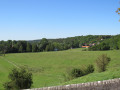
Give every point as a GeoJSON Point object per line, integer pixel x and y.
{"type": "Point", "coordinates": [36, 19]}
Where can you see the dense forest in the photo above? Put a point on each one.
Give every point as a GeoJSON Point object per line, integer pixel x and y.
{"type": "Point", "coordinates": [96, 42]}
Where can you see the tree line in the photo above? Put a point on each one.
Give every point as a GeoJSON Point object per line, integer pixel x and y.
{"type": "Point", "coordinates": [49, 44]}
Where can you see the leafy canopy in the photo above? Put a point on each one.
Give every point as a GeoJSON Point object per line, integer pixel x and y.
{"type": "Point", "coordinates": [19, 79]}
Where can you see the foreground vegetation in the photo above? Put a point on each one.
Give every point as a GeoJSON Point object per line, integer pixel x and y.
{"type": "Point", "coordinates": [19, 79]}
{"type": "Point", "coordinates": [48, 68]}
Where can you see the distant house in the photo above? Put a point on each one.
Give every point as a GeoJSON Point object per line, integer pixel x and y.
{"type": "Point", "coordinates": [85, 46]}
{"type": "Point", "coordinates": [92, 44]}
{"type": "Point", "coordinates": [101, 39]}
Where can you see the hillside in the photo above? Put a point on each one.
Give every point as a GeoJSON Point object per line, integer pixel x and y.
{"type": "Point", "coordinates": [48, 67]}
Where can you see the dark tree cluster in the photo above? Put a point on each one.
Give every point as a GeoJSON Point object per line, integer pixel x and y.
{"type": "Point", "coordinates": [112, 43]}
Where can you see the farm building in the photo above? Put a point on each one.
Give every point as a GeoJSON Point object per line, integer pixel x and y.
{"type": "Point", "coordinates": [85, 46]}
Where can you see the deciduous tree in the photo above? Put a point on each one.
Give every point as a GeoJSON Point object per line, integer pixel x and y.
{"type": "Point", "coordinates": [19, 79]}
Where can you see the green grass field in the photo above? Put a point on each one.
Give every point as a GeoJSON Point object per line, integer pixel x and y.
{"type": "Point", "coordinates": [48, 67]}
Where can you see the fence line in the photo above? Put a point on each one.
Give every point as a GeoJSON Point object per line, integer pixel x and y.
{"type": "Point", "coordinates": [113, 84]}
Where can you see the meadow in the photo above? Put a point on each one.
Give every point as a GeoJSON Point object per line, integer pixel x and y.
{"type": "Point", "coordinates": [48, 67]}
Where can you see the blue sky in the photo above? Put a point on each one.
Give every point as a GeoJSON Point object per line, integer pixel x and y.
{"type": "Point", "coordinates": [36, 19]}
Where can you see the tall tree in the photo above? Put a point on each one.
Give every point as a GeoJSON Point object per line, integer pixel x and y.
{"type": "Point", "coordinates": [118, 44]}
{"type": "Point", "coordinates": [3, 48]}
{"type": "Point", "coordinates": [29, 47]}
{"type": "Point", "coordinates": [34, 48]}
{"type": "Point", "coordinates": [43, 43]}
{"type": "Point", "coordinates": [21, 49]}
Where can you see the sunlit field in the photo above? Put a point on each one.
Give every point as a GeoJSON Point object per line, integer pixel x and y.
{"type": "Point", "coordinates": [48, 67]}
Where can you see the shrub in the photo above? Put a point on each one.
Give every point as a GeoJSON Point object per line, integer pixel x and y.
{"type": "Point", "coordinates": [78, 72]}
{"type": "Point", "coordinates": [72, 73]}
{"type": "Point", "coordinates": [19, 79]}
{"type": "Point", "coordinates": [101, 62]}
{"type": "Point", "coordinates": [90, 69]}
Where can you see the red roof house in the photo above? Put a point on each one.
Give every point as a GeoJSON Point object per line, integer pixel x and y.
{"type": "Point", "coordinates": [85, 46]}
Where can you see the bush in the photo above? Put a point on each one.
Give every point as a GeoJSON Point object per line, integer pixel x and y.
{"type": "Point", "coordinates": [90, 69]}
{"type": "Point", "coordinates": [77, 72]}
{"type": "Point", "coordinates": [20, 79]}
{"type": "Point", "coordinates": [101, 62]}
{"type": "Point", "coordinates": [72, 73]}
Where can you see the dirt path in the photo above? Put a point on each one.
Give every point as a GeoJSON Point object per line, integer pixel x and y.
{"type": "Point", "coordinates": [10, 62]}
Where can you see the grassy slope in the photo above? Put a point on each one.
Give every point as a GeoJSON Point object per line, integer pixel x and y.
{"type": "Point", "coordinates": [54, 64]}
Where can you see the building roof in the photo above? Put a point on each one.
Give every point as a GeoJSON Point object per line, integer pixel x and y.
{"type": "Point", "coordinates": [85, 46]}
